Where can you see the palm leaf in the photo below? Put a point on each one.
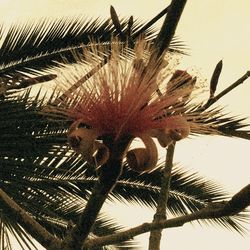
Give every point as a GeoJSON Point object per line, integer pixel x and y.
{"type": "Point", "coordinates": [36, 46]}
{"type": "Point", "coordinates": [25, 132]}
{"type": "Point", "coordinates": [4, 236]}
{"type": "Point", "coordinates": [52, 169]}
{"type": "Point", "coordinates": [105, 226]}
{"type": "Point", "coordinates": [188, 193]}
{"type": "Point", "coordinates": [48, 180]}
{"type": "Point", "coordinates": [31, 48]}
{"type": "Point", "coordinates": [50, 195]}
{"type": "Point", "coordinates": [55, 191]}
{"type": "Point", "coordinates": [10, 228]}
{"type": "Point", "coordinates": [216, 121]}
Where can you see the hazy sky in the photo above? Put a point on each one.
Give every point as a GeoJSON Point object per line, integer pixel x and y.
{"type": "Point", "coordinates": [213, 30]}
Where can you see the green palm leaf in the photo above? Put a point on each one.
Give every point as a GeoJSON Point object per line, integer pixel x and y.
{"type": "Point", "coordinates": [226, 125]}
{"type": "Point", "coordinates": [49, 194]}
{"type": "Point", "coordinates": [25, 131]}
{"type": "Point", "coordinates": [36, 46]}
{"type": "Point", "coordinates": [188, 193]}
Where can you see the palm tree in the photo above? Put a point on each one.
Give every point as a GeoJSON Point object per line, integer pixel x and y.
{"type": "Point", "coordinates": [46, 178]}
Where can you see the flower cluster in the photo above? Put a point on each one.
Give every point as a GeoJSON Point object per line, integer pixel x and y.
{"type": "Point", "coordinates": [129, 97]}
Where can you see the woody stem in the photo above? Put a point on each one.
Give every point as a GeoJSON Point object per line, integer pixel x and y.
{"type": "Point", "coordinates": [161, 44]}
{"type": "Point", "coordinates": [168, 28]}
{"type": "Point", "coordinates": [160, 215]}
{"type": "Point", "coordinates": [109, 174]}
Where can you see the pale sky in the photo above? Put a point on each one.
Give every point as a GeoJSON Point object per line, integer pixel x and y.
{"type": "Point", "coordinates": [213, 30]}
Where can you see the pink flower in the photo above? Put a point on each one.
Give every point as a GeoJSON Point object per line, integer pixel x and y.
{"type": "Point", "coordinates": [127, 98]}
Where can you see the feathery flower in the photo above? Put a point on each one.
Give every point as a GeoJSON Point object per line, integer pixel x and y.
{"type": "Point", "coordinates": [128, 98]}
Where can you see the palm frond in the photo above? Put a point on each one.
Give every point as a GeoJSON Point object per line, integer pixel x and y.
{"type": "Point", "coordinates": [25, 132]}
{"type": "Point", "coordinates": [105, 226]}
{"type": "Point", "coordinates": [216, 121]}
{"type": "Point", "coordinates": [11, 229]}
{"type": "Point", "coordinates": [234, 127]}
{"type": "Point", "coordinates": [58, 226]}
{"type": "Point", "coordinates": [4, 236]}
{"type": "Point", "coordinates": [62, 179]}
{"type": "Point", "coordinates": [36, 46]}
{"type": "Point", "coordinates": [233, 223]}
{"type": "Point", "coordinates": [48, 179]}
{"type": "Point", "coordinates": [47, 189]}
{"type": "Point", "coordinates": [188, 193]}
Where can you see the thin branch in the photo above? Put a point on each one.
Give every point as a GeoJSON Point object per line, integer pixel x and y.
{"type": "Point", "coordinates": [238, 203]}
{"type": "Point", "coordinates": [162, 42]}
{"type": "Point", "coordinates": [151, 22]}
{"type": "Point", "coordinates": [160, 215]}
{"type": "Point", "coordinates": [29, 223]}
{"type": "Point", "coordinates": [168, 28]}
{"type": "Point", "coordinates": [226, 91]}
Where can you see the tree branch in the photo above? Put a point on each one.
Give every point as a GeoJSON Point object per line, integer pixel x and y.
{"type": "Point", "coordinates": [151, 22]}
{"type": "Point", "coordinates": [160, 215]}
{"type": "Point", "coordinates": [161, 44]}
{"type": "Point", "coordinates": [29, 223]}
{"type": "Point", "coordinates": [109, 174]}
{"type": "Point", "coordinates": [211, 101]}
{"type": "Point", "coordinates": [238, 203]}
{"type": "Point", "coordinates": [168, 28]}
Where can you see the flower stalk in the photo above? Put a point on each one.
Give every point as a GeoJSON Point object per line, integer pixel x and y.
{"type": "Point", "coordinates": [214, 99]}
{"type": "Point", "coordinates": [109, 173]}
{"type": "Point", "coordinates": [160, 215]}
